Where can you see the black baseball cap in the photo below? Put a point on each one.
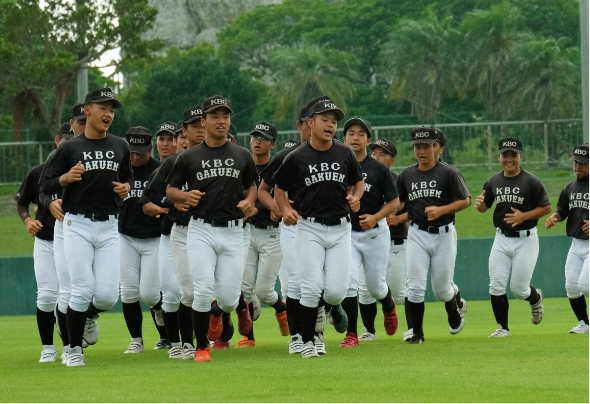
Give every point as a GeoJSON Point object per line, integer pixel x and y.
{"type": "Point", "coordinates": [166, 127]}
{"type": "Point", "coordinates": [217, 101]}
{"type": "Point", "coordinates": [290, 143]}
{"type": "Point", "coordinates": [325, 104]}
{"type": "Point", "coordinates": [580, 153]}
{"type": "Point", "coordinates": [357, 120]}
{"type": "Point", "coordinates": [102, 95]}
{"type": "Point", "coordinates": [78, 112]}
{"type": "Point", "coordinates": [178, 129]}
{"type": "Point", "coordinates": [192, 114]}
{"type": "Point", "coordinates": [139, 139]}
{"type": "Point", "coordinates": [424, 135]}
{"type": "Point", "coordinates": [266, 129]}
{"type": "Point", "coordinates": [386, 144]}
{"type": "Point", "coordinates": [66, 131]}
{"type": "Point", "coordinates": [509, 143]}
{"type": "Point", "coordinates": [304, 112]}
{"type": "Point", "coordinates": [440, 136]}
{"type": "Point", "coordinates": [232, 132]}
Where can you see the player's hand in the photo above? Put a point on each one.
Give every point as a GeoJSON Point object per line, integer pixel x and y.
{"type": "Point", "coordinates": [515, 218]}
{"type": "Point", "coordinates": [290, 217]}
{"type": "Point", "coordinates": [392, 220]}
{"type": "Point", "coordinates": [193, 197]}
{"type": "Point", "coordinates": [121, 189]}
{"type": "Point", "coordinates": [353, 202]}
{"type": "Point", "coordinates": [75, 173]}
{"type": "Point", "coordinates": [33, 226]}
{"type": "Point", "coordinates": [276, 215]}
{"type": "Point", "coordinates": [182, 207]}
{"type": "Point", "coordinates": [433, 212]}
{"type": "Point", "coordinates": [480, 199]}
{"type": "Point", "coordinates": [367, 221]}
{"type": "Point", "coordinates": [550, 222]}
{"type": "Point", "coordinates": [246, 207]}
{"type": "Point", "coordinates": [56, 210]}
{"type": "Point", "coordinates": [153, 210]}
{"type": "Point", "coordinates": [585, 227]}
{"type": "Point", "coordinates": [253, 213]}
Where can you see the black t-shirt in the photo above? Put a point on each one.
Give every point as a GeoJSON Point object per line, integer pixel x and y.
{"type": "Point", "coordinates": [523, 192]}
{"type": "Point", "coordinates": [148, 195]}
{"type": "Point", "coordinates": [439, 186]}
{"type": "Point", "coordinates": [132, 221]}
{"type": "Point", "coordinates": [29, 193]}
{"type": "Point", "coordinates": [263, 216]}
{"type": "Point", "coordinates": [320, 178]}
{"type": "Point", "coordinates": [222, 173]}
{"type": "Point", "coordinates": [401, 230]}
{"type": "Point", "coordinates": [379, 189]}
{"type": "Point", "coordinates": [274, 164]}
{"type": "Point", "coordinates": [105, 160]}
{"type": "Point", "coordinates": [573, 206]}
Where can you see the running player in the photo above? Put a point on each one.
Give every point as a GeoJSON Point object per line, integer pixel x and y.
{"type": "Point", "coordinates": [521, 200]}
{"type": "Point", "coordinates": [573, 206]}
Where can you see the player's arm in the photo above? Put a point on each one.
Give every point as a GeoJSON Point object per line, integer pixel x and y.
{"type": "Point", "coordinates": [517, 217]}
{"type": "Point", "coordinates": [552, 220]}
{"type": "Point", "coordinates": [480, 203]}
{"type": "Point", "coordinates": [267, 200]}
{"type": "Point", "coordinates": [182, 199]}
{"type": "Point", "coordinates": [434, 212]}
{"type": "Point", "coordinates": [561, 212]}
{"type": "Point", "coordinates": [394, 220]}
{"type": "Point", "coordinates": [54, 207]}
{"type": "Point", "coordinates": [355, 194]}
{"type": "Point", "coordinates": [290, 215]}
{"type": "Point", "coordinates": [246, 205]}
{"type": "Point", "coordinates": [367, 222]}
{"type": "Point", "coordinates": [33, 226]}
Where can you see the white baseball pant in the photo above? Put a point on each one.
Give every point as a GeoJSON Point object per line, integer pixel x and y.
{"type": "Point", "coordinates": [514, 258]}
{"type": "Point", "coordinates": [324, 261]}
{"type": "Point", "coordinates": [576, 269]}
{"type": "Point", "coordinates": [246, 241]}
{"type": "Point", "coordinates": [140, 278]}
{"type": "Point", "coordinates": [289, 262]}
{"type": "Point", "coordinates": [61, 268]}
{"type": "Point", "coordinates": [180, 260]}
{"type": "Point", "coordinates": [216, 261]}
{"type": "Point", "coordinates": [168, 283]}
{"type": "Point", "coordinates": [45, 275]}
{"type": "Point", "coordinates": [396, 276]}
{"type": "Point", "coordinates": [92, 255]}
{"type": "Point", "coordinates": [262, 265]}
{"type": "Point", "coordinates": [434, 253]}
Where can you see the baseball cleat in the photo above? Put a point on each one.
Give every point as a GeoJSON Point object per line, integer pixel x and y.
{"type": "Point", "coordinates": [283, 324]}
{"type": "Point", "coordinates": [581, 328]}
{"type": "Point", "coordinates": [91, 330]}
{"type": "Point", "coordinates": [64, 355]}
{"type": "Point", "coordinates": [308, 350]}
{"type": "Point", "coordinates": [390, 321]}
{"type": "Point", "coordinates": [163, 344]}
{"type": "Point", "coordinates": [215, 327]}
{"type": "Point", "coordinates": [350, 341]}
{"type": "Point", "coordinates": [84, 344]}
{"type": "Point", "coordinates": [537, 309]}
{"type": "Point", "coordinates": [203, 355]}
{"type": "Point", "coordinates": [319, 343]}
{"type": "Point", "coordinates": [246, 343]}
{"type": "Point", "coordinates": [367, 336]}
{"type": "Point", "coordinates": [463, 309]}
{"type": "Point", "coordinates": [48, 354]}
{"type": "Point", "coordinates": [320, 322]}
{"type": "Point", "coordinates": [135, 347]}
{"type": "Point", "coordinates": [221, 344]}
{"type": "Point", "coordinates": [408, 335]}
{"type": "Point", "coordinates": [256, 308]}
{"type": "Point", "coordinates": [500, 333]}
{"type": "Point", "coordinates": [75, 357]}
{"type": "Point", "coordinates": [295, 344]}
{"type": "Point", "coordinates": [340, 318]}
{"type": "Point", "coordinates": [329, 317]}
{"type": "Point", "coordinates": [188, 351]}
{"type": "Point", "coordinates": [244, 321]}
{"type": "Point", "coordinates": [175, 351]}
{"type": "Point", "coordinates": [159, 316]}
{"type": "Point", "coordinates": [416, 340]}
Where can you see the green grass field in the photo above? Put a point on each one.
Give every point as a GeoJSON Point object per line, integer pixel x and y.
{"type": "Point", "coordinates": [542, 363]}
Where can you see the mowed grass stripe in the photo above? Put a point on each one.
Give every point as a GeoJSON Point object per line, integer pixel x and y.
{"type": "Point", "coordinates": [542, 363]}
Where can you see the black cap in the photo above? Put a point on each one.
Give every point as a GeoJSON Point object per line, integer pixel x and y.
{"type": "Point", "coordinates": [78, 112]}
{"type": "Point", "coordinates": [217, 101]}
{"type": "Point", "coordinates": [178, 129]}
{"type": "Point", "coordinates": [325, 104]}
{"type": "Point", "coordinates": [424, 135]}
{"type": "Point", "coordinates": [232, 132]}
{"type": "Point", "coordinates": [290, 143]}
{"type": "Point", "coordinates": [166, 127]}
{"type": "Point", "coordinates": [304, 112]}
{"type": "Point", "coordinates": [509, 143]}
{"type": "Point", "coordinates": [440, 136]}
{"type": "Point", "coordinates": [386, 144]}
{"type": "Point", "coordinates": [102, 95]}
{"type": "Point", "coordinates": [580, 153]}
{"type": "Point", "coordinates": [139, 139]}
{"type": "Point", "coordinates": [66, 131]}
{"type": "Point", "coordinates": [266, 129]}
{"type": "Point", "coordinates": [192, 114]}
{"type": "Point", "coordinates": [357, 120]}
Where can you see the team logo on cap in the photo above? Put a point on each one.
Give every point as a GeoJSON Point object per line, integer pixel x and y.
{"type": "Point", "coordinates": [580, 151]}
{"type": "Point", "coordinates": [137, 140]}
{"type": "Point", "coordinates": [196, 112]}
{"type": "Point", "coordinates": [106, 94]}
{"type": "Point", "coordinates": [330, 105]}
{"type": "Point", "coordinates": [262, 127]}
{"type": "Point", "coordinates": [509, 144]}
{"type": "Point", "coordinates": [422, 134]}
{"type": "Point", "coordinates": [218, 101]}
{"type": "Point", "coordinates": [167, 127]}
{"type": "Point", "coordinates": [381, 143]}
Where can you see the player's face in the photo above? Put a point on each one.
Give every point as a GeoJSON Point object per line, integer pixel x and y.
{"type": "Point", "coordinates": [165, 145]}
{"type": "Point", "coordinates": [425, 152]}
{"type": "Point", "coordinates": [100, 115]}
{"type": "Point", "coordinates": [181, 142]}
{"type": "Point", "coordinates": [381, 155]}
{"type": "Point", "coordinates": [510, 161]}
{"type": "Point", "coordinates": [59, 140]}
{"type": "Point", "coordinates": [260, 145]}
{"type": "Point", "coordinates": [580, 169]}
{"type": "Point", "coordinates": [217, 123]}
{"type": "Point", "coordinates": [323, 126]}
{"type": "Point", "coordinates": [77, 126]}
{"type": "Point", "coordinates": [304, 131]}
{"type": "Point", "coordinates": [195, 132]}
{"type": "Point", "coordinates": [438, 151]}
{"type": "Point", "coordinates": [356, 137]}
{"type": "Point", "coordinates": [140, 159]}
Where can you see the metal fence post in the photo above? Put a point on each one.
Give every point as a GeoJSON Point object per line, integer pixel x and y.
{"type": "Point", "coordinates": [40, 153]}
{"type": "Point", "coordinates": [376, 135]}
{"type": "Point", "coordinates": [546, 141]}
{"type": "Point", "coordinates": [489, 148]}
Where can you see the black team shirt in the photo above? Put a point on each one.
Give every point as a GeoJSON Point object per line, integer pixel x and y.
{"type": "Point", "coordinates": [379, 189]}
{"type": "Point", "coordinates": [159, 199]}
{"type": "Point", "coordinates": [399, 231]}
{"type": "Point", "coordinates": [132, 221]}
{"type": "Point", "coordinates": [439, 186]}
{"type": "Point", "coordinates": [263, 216]}
{"type": "Point", "coordinates": [105, 160]}
{"type": "Point", "coordinates": [523, 192]}
{"type": "Point", "coordinates": [320, 179]}
{"type": "Point", "coordinates": [573, 206]}
{"type": "Point", "coordinates": [222, 173]}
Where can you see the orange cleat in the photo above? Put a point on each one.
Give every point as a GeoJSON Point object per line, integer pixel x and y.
{"type": "Point", "coordinates": [203, 355]}
{"type": "Point", "coordinates": [246, 343]}
{"type": "Point", "coordinates": [283, 324]}
{"type": "Point", "coordinates": [215, 328]}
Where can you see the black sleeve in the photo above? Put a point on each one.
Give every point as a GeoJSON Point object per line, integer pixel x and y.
{"type": "Point", "coordinates": [563, 206]}
{"type": "Point", "coordinates": [401, 188]}
{"type": "Point", "coordinates": [179, 174]}
{"type": "Point", "coordinates": [125, 170]}
{"type": "Point", "coordinates": [44, 200]}
{"type": "Point", "coordinates": [250, 174]}
{"type": "Point", "coordinates": [285, 176]}
{"type": "Point", "coordinates": [54, 169]}
{"type": "Point", "coordinates": [389, 188]}
{"type": "Point", "coordinates": [541, 199]}
{"type": "Point", "coordinates": [459, 187]}
{"type": "Point", "coordinates": [158, 198]}
{"type": "Point", "coordinates": [28, 191]}
{"type": "Point", "coordinates": [489, 196]}
{"type": "Point", "coordinates": [355, 173]}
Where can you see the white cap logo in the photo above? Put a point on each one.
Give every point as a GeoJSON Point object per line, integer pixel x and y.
{"type": "Point", "coordinates": [136, 140]}
{"type": "Point", "coordinates": [580, 151]}
{"type": "Point", "coordinates": [262, 127]}
{"type": "Point", "coordinates": [509, 144]}
{"type": "Point", "coordinates": [167, 127]}
{"type": "Point", "coordinates": [106, 94]}
{"type": "Point", "coordinates": [196, 112]}
{"type": "Point", "coordinates": [218, 101]}
{"type": "Point", "coordinates": [422, 134]}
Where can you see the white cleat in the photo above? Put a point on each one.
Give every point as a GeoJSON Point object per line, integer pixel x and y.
{"type": "Point", "coordinates": [135, 347]}
{"type": "Point", "coordinates": [256, 308]}
{"type": "Point", "coordinates": [408, 335]}
{"type": "Point", "coordinates": [368, 336]}
{"type": "Point", "coordinates": [309, 351]}
{"type": "Point", "coordinates": [48, 354]}
{"type": "Point", "coordinates": [320, 322]}
{"type": "Point", "coordinates": [91, 330]}
{"type": "Point", "coordinates": [500, 333]}
{"type": "Point", "coordinates": [75, 357]}
{"type": "Point", "coordinates": [159, 316]}
{"type": "Point", "coordinates": [176, 351]}
{"type": "Point", "coordinates": [320, 345]}
{"type": "Point", "coordinates": [295, 344]}
{"type": "Point", "coordinates": [188, 351]}
{"type": "Point", "coordinates": [581, 328]}
{"type": "Point", "coordinates": [537, 309]}
{"type": "Point", "coordinates": [64, 355]}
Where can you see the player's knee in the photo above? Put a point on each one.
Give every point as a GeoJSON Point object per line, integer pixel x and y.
{"type": "Point", "coordinates": [334, 297]}
{"type": "Point", "coordinates": [520, 292]}
{"type": "Point", "coordinates": [444, 295]}
{"type": "Point", "coordinates": [46, 300]}
{"type": "Point", "coordinates": [583, 287]}
{"type": "Point", "coordinates": [265, 295]}
{"type": "Point", "coordinates": [170, 307]}
{"type": "Point", "coordinates": [105, 301]}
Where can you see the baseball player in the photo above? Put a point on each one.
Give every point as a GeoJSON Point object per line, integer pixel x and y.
{"type": "Point", "coordinates": [385, 151]}
{"type": "Point", "coordinates": [521, 200]}
{"type": "Point", "coordinates": [95, 171]}
{"type": "Point", "coordinates": [139, 240]}
{"type": "Point", "coordinates": [217, 172]}
{"type": "Point", "coordinates": [433, 193]}
{"type": "Point", "coordinates": [232, 134]}
{"type": "Point", "coordinates": [370, 233]}
{"type": "Point", "coordinates": [43, 256]}
{"type": "Point", "coordinates": [321, 172]}
{"type": "Point", "coordinates": [264, 252]}
{"type": "Point", "coordinates": [573, 206]}
{"type": "Point", "coordinates": [180, 140]}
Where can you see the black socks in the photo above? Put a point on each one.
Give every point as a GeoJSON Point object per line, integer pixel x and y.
{"type": "Point", "coordinates": [368, 314]}
{"type": "Point", "coordinates": [417, 315]}
{"type": "Point", "coordinates": [62, 322]}
{"type": "Point", "coordinates": [500, 307]}
{"type": "Point", "coordinates": [387, 303]}
{"type": "Point", "coordinates": [579, 308]}
{"type": "Point", "coordinates": [133, 319]}
{"type": "Point", "coordinates": [279, 306]}
{"type": "Point", "coordinates": [292, 307]}
{"type": "Point", "coordinates": [350, 306]}
{"type": "Point", "coordinates": [171, 324]}
{"type": "Point", "coordinates": [185, 324]}
{"type": "Point", "coordinates": [228, 328]}
{"type": "Point", "coordinates": [307, 316]}
{"type": "Point", "coordinates": [76, 322]}
{"type": "Point", "coordinates": [45, 322]}
{"type": "Point", "coordinates": [201, 326]}
{"type": "Point", "coordinates": [533, 297]}
{"type": "Point", "coordinates": [241, 303]}
{"type": "Point", "coordinates": [251, 310]}
{"type": "Point", "coordinates": [453, 313]}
